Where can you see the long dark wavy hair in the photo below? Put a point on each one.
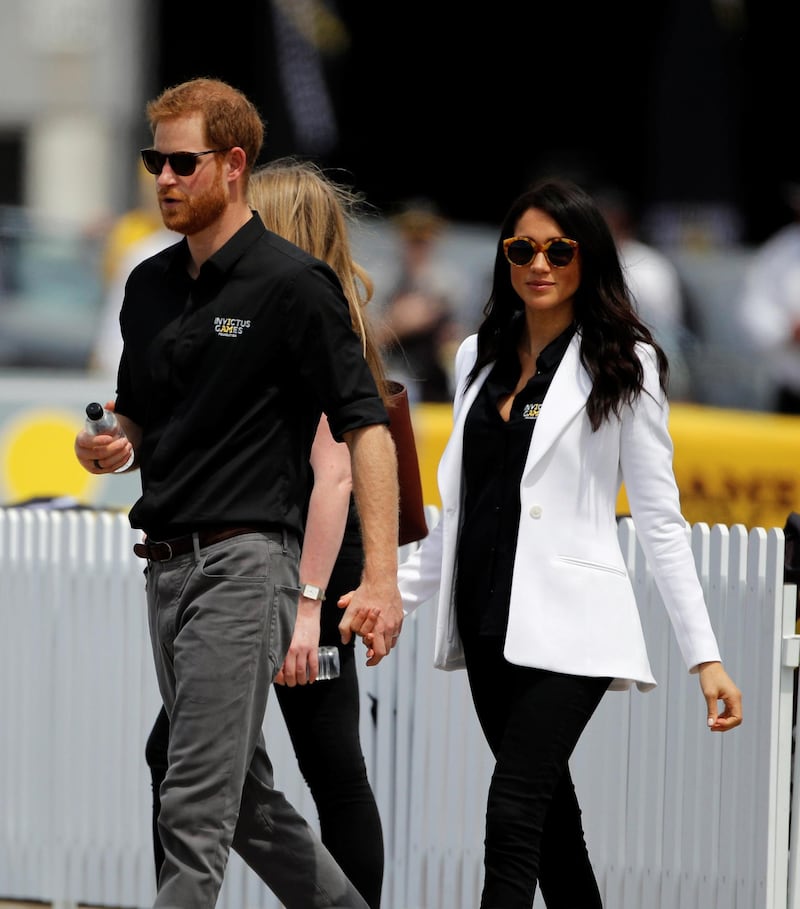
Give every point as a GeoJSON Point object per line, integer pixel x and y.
{"type": "Point", "coordinates": [604, 311]}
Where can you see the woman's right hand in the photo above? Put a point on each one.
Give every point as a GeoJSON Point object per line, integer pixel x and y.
{"type": "Point", "coordinates": [301, 663]}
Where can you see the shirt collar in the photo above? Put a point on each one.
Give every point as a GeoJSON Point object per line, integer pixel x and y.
{"type": "Point", "coordinates": [229, 253]}
{"type": "Point", "coordinates": [507, 364]}
{"type": "Point", "coordinates": [551, 355]}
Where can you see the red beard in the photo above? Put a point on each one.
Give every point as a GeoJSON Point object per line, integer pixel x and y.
{"type": "Point", "coordinates": [193, 214]}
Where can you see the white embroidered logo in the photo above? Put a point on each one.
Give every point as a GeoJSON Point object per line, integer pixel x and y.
{"type": "Point", "coordinates": [230, 328]}
{"type": "Point", "coordinates": [531, 411]}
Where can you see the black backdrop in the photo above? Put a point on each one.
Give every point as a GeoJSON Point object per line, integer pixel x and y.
{"type": "Point", "coordinates": [681, 101]}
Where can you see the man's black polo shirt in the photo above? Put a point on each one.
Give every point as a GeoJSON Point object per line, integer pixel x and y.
{"type": "Point", "coordinates": [227, 376]}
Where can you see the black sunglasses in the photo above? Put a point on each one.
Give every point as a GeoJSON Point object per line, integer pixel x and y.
{"type": "Point", "coordinates": [183, 163]}
{"type": "Point", "coordinates": [521, 251]}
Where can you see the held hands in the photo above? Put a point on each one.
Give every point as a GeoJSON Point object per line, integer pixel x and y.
{"type": "Point", "coordinates": [718, 686]}
{"type": "Point", "coordinates": [378, 626]}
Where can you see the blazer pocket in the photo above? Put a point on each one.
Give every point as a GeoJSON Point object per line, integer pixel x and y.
{"type": "Point", "coordinates": [592, 566]}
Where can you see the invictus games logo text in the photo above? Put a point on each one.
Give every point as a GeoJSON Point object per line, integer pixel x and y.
{"type": "Point", "coordinates": [230, 328]}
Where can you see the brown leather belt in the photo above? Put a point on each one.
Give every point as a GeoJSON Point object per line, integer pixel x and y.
{"type": "Point", "coordinates": [163, 550]}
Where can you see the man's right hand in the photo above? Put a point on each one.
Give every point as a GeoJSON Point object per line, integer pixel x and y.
{"type": "Point", "coordinates": [378, 626]}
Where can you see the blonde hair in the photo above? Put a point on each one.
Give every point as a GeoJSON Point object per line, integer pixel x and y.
{"type": "Point", "coordinates": [298, 201]}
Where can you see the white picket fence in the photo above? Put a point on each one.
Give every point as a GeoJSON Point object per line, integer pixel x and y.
{"type": "Point", "coordinates": [675, 817]}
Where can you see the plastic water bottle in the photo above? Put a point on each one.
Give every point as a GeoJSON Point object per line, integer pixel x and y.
{"type": "Point", "coordinates": [102, 422]}
{"type": "Point", "coordinates": [329, 666]}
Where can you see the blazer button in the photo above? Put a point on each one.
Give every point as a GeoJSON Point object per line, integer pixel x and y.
{"type": "Point", "coordinates": [536, 511]}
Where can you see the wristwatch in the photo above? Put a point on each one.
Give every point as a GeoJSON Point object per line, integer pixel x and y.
{"type": "Point", "coordinates": [312, 592]}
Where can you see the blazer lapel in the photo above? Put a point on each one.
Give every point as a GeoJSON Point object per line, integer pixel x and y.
{"type": "Point", "coordinates": [450, 467]}
{"type": "Point", "coordinates": [565, 398]}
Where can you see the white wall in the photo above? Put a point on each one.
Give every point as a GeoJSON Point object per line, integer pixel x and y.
{"type": "Point", "coordinates": [70, 72]}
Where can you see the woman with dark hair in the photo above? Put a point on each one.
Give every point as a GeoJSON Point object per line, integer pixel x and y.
{"type": "Point", "coordinates": [560, 397]}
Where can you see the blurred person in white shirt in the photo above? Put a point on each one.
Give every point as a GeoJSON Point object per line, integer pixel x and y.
{"type": "Point", "coordinates": [107, 346]}
{"type": "Point", "coordinates": [769, 309]}
{"type": "Point", "coordinates": [655, 284]}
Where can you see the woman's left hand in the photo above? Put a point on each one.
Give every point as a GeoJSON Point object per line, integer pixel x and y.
{"type": "Point", "coordinates": [718, 686]}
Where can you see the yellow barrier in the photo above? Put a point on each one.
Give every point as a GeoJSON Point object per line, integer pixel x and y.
{"type": "Point", "coordinates": [732, 467]}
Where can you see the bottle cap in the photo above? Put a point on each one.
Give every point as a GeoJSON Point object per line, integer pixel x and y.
{"type": "Point", "coordinates": [94, 410]}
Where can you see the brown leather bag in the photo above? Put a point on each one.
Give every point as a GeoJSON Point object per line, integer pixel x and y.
{"type": "Point", "coordinates": [413, 526]}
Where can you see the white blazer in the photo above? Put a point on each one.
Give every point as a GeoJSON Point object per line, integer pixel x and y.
{"type": "Point", "coordinates": [572, 605]}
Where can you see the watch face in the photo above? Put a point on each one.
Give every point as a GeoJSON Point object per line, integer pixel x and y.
{"type": "Point", "coordinates": [311, 592]}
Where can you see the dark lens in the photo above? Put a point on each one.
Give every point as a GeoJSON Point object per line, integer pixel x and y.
{"type": "Point", "coordinates": [560, 253]}
{"type": "Point", "coordinates": [183, 163]}
{"type": "Point", "coordinates": [153, 160]}
{"type": "Point", "coordinates": [520, 252]}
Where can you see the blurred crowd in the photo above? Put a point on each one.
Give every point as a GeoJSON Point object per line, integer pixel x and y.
{"type": "Point", "coordinates": [728, 318]}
